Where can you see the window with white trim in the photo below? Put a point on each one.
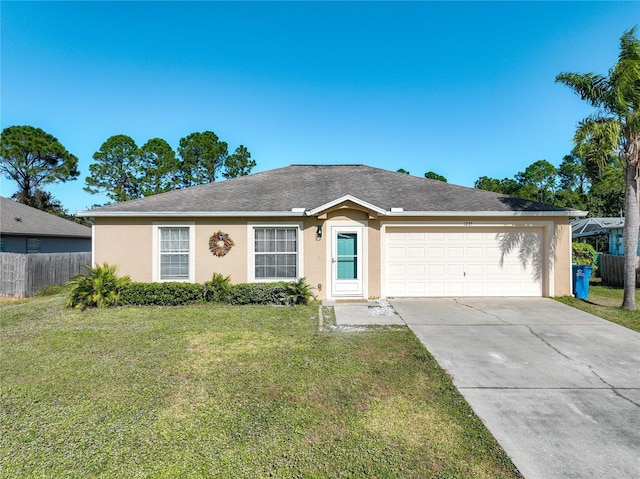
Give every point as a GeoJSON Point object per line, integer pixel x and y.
{"type": "Point", "coordinates": [275, 253]}
{"type": "Point", "coordinates": [174, 253]}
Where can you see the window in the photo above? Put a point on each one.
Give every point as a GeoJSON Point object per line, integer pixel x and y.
{"type": "Point", "coordinates": [275, 253]}
{"type": "Point", "coordinates": [174, 253]}
{"type": "Point", "coordinates": [34, 245]}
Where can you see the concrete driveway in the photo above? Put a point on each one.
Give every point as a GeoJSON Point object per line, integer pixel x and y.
{"type": "Point", "coordinates": [558, 388]}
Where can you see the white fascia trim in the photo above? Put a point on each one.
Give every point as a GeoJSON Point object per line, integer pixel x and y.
{"type": "Point", "coordinates": [472, 214]}
{"type": "Point", "coordinates": [342, 199]}
{"type": "Point", "coordinates": [189, 214]}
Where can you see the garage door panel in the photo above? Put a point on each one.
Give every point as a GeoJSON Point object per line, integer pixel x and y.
{"type": "Point", "coordinates": [436, 269]}
{"type": "Point", "coordinates": [417, 288]}
{"type": "Point", "coordinates": [397, 271]}
{"type": "Point", "coordinates": [416, 270]}
{"type": "Point", "coordinates": [418, 237]}
{"type": "Point", "coordinates": [464, 262]}
{"type": "Point", "coordinates": [494, 288]}
{"type": "Point", "coordinates": [454, 270]}
{"type": "Point", "coordinates": [455, 288]}
{"type": "Point", "coordinates": [396, 252]}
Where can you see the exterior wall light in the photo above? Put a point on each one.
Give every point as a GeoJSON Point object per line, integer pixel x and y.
{"type": "Point", "coordinates": [319, 232]}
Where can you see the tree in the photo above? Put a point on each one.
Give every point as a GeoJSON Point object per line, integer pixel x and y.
{"type": "Point", "coordinates": [32, 158]}
{"type": "Point", "coordinates": [160, 167]}
{"type": "Point", "coordinates": [615, 128]}
{"type": "Point", "coordinates": [203, 156]}
{"type": "Point", "coordinates": [118, 169]}
{"type": "Point", "coordinates": [435, 176]}
{"type": "Point", "coordinates": [239, 163]}
{"type": "Point", "coordinates": [506, 186]}
{"type": "Point", "coordinates": [606, 195]}
{"type": "Point", "coordinates": [538, 181]}
{"type": "Point", "coordinates": [573, 183]}
{"type": "Point", "coordinates": [402, 170]}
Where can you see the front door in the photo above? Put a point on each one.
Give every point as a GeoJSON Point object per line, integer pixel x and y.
{"type": "Point", "coordinates": [346, 261]}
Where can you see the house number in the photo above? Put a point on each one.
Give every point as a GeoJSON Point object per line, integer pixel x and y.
{"type": "Point", "coordinates": [468, 223]}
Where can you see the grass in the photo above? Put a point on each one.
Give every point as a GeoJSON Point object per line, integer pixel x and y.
{"type": "Point", "coordinates": [205, 391]}
{"type": "Point", "coordinates": [605, 301]}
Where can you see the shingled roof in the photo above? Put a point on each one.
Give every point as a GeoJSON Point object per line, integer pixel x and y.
{"type": "Point", "coordinates": [22, 220]}
{"type": "Point", "coordinates": [301, 189]}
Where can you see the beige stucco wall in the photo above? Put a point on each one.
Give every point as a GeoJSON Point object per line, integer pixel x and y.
{"type": "Point", "coordinates": [562, 257]}
{"type": "Point", "coordinates": [127, 242]}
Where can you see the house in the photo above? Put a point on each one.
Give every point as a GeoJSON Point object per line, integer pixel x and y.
{"type": "Point", "coordinates": [353, 231]}
{"type": "Point", "coordinates": [610, 228]}
{"type": "Point", "coordinates": [24, 229]}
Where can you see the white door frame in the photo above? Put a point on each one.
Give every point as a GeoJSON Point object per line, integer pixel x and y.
{"type": "Point", "coordinates": [347, 289]}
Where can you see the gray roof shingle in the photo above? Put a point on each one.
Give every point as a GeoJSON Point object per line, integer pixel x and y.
{"type": "Point", "coordinates": [19, 219]}
{"type": "Point", "coordinates": [312, 186]}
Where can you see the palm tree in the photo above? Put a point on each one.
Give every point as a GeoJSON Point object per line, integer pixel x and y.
{"type": "Point", "coordinates": [615, 128]}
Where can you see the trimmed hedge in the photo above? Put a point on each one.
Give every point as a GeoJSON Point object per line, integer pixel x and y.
{"type": "Point", "coordinates": [161, 294]}
{"type": "Point", "coordinates": [258, 293]}
{"type": "Point", "coordinates": [176, 294]}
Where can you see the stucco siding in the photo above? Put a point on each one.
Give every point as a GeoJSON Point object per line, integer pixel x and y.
{"type": "Point", "coordinates": [128, 242]}
{"type": "Point", "coordinates": [234, 263]}
{"type": "Point", "coordinates": [562, 258]}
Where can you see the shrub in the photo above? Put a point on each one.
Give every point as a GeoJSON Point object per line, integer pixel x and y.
{"type": "Point", "coordinates": [279, 293]}
{"type": "Point", "coordinates": [258, 293]}
{"type": "Point", "coordinates": [162, 294]}
{"type": "Point", "coordinates": [583, 253]}
{"type": "Point", "coordinates": [298, 292]}
{"type": "Point", "coordinates": [98, 288]}
{"type": "Point", "coordinates": [217, 288]}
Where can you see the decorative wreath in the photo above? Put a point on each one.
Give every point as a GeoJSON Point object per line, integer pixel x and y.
{"type": "Point", "coordinates": [220, 244]}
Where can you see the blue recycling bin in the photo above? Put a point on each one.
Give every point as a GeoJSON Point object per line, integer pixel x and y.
{"type": "Point", "coordinates": [581, 276]}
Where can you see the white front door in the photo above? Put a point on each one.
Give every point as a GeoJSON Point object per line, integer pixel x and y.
{"type": "Point", "coordinates": [346, 261]}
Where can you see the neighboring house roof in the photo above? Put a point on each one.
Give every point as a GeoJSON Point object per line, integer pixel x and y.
{"type": "Point", "coordinates": [23, 220]}
{"type": "Point", "coordinates": [585, 227]}
{"type": "Point", "coordinates": [300, 190]}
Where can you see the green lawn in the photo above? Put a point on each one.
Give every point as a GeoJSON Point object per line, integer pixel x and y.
{"type": "Point", "coordinates": [207, 391]}
{"type": "Point", "coordinates": [605, 301]}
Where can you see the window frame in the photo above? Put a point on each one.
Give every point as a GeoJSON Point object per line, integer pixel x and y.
{"type": "Point", "coordinates": [251, 253]}
{"type": "Point", "coordinates": [157, 253]}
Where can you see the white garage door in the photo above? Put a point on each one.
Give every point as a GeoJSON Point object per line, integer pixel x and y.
{"type": "Point", "coordinates": [463, 262]}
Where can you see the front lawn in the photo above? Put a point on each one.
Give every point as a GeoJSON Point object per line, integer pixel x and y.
{"type": "Point", "coordinates": [605, 301]}
{"type": "Point", "coordinates": [211, 391]}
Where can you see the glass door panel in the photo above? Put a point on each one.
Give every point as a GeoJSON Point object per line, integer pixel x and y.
{"type": "Point", "coordinates": [347, 257]}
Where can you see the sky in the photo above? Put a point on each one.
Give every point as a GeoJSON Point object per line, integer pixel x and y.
{"type": "Point", "coordinates": [464, 89]}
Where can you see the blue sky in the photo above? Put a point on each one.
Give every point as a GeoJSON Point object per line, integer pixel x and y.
{"type": "Point", "coordinates": [465, 89]}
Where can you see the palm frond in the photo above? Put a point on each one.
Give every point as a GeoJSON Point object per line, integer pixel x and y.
{"type": "Point", "coordinates": [625, 75]}
{"type": "Point", "coordinates": [593, 88]}
{"type": "Point", "coordinates": [629, 46]}
{"type": "Point", "coordinates": [597, 138]}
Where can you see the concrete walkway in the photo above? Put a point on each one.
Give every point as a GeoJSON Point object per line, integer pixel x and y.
{"type": "Point", "coordinates": [369, 313]}
{"type": "Point", "coordinates": [558, 388]}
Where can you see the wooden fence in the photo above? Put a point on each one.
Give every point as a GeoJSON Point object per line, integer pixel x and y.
{"type": "Point", "coordinates": [23, 274]}
{"type": "Point", "coordinates": [611, 270]}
